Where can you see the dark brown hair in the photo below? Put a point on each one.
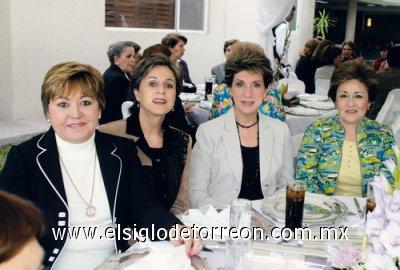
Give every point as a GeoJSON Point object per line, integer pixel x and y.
{"type": "Point", "coordinates": [172, 39]}
{"type": "Point", "coordinates": [151, 61]}
{"type": "Point", "coordinates": [157, 48]}
{"type": "Point", "coordinates": [250, 57]}
{"type": "Point", "coordinates": [20, 220]}
{"type": "Point", "coordinates": [354, 70]}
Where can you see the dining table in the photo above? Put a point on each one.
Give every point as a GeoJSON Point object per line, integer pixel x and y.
{"type": "Point", "coordinates": [301, 254]}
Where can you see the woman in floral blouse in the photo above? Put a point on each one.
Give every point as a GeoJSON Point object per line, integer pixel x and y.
{"type": "Point", "coordinates": [340, 155]}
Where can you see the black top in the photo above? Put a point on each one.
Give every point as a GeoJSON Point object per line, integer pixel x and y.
{"type": "Point", "coordinates": [305, 71]}
{"type": "Point", "coordinates": [168, 162]}
{"type": "Point", "coordinates": [251, 185]}
{"type": "Point", "coordinates": [33, 172]}
{"type": "Point", "coordinates": [116, 85]}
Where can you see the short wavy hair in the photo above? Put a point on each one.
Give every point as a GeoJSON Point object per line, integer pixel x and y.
{"type": "Point", "coordinates": [61, 79]}
{"type": "Point", "coordinates": [354, 70]}
{"type": "Point", "coordinates": [116, 49]}
{"type": "Point", "coordinates": [247, 56]}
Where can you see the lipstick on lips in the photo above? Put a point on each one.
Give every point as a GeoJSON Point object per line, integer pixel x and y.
{"type": "Point", "coordinates": [159, 101]}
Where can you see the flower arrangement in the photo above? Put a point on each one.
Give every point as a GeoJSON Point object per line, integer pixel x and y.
{"type": "Point", "coordinates": [381, 248]}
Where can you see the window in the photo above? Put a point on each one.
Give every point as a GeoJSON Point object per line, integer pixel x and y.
{"type": "Point", "coordinates": [156, 14]}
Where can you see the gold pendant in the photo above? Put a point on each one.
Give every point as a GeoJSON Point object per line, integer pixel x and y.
{"type": "Point", "coordinates": [90, 211]}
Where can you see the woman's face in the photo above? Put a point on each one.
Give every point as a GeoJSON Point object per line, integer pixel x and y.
{"type": "Point", "coordinates": [178, 50]}
{"type": "Point", "coordinates": [126, 61]}
{"type": "Point", "coordinates": [347, 51]}
{"type": "Point", "coordinates": [247, 91]}
{"type": "Point", "coordinates": [74, 118]}
{"type": "Point", "coordinates": [352, 102]}
{"type": "Point", "coordinates": [157, 91]}
{"type": "Point", "coordinates": [30, 257]}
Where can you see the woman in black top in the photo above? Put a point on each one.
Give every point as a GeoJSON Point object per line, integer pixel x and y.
{"type": "Point", "coordinates": [163, 149]}
{"type": "Point", "coordinates": [122, 56]}
{"type": "Point", "coordinates": [305, 67]}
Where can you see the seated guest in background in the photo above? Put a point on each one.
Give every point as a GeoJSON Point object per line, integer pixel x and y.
{"type": "Point", "coordinates": [305, 67]}
{"type": "Point", "coordinates": [349, 50]}
{"type": "Point", "coordinates": [242, 153]}
{"type": "Point", "coordinates": [79, 177]}
{"type": "Point", "coordinates": [330, 59]}
{"type": "Point", "coordinates": [164, 150]}
{"type": "Point", "coordinates": [176, 43]}
{"type": "Point", "coordinates": [387, 81]}
{"type": "Point", "coordinates": [381, 61]}
{"type": "Point", "coordinates": [219, 70]}
{"type": "Point", "coordinates": [116, 78]}
{"type": "Point", "coordinates": [272, 103]}
{"type": "Point", "coordinates": [319, 52]}
{"type": "Point", "coordinates": [340, 155]}
{"type": "Point", "coordinates": [20, 224]}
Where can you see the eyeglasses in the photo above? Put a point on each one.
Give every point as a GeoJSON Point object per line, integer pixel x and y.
{"type": "Point", "coordinates": [255, 86]}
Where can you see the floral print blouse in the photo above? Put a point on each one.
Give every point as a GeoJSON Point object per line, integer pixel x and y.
{"type": "Point", "coordinates": [271, 106]}
{"type": "Point", "coordinates": [319, 157]}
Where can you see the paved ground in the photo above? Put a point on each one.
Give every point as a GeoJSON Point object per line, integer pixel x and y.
{"type": "Point", "coordinates": [14, 132]}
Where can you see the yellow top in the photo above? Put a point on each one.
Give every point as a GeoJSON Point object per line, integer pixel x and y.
{"type": "Point", "coordinates": [349, 178]}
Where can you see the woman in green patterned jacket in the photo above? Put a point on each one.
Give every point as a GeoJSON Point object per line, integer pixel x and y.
{"type": "Point", "coordinates": [339, 155]}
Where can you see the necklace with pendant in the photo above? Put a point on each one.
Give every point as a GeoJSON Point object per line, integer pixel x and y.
{"type": "Point", "coordinates": [90, 209]}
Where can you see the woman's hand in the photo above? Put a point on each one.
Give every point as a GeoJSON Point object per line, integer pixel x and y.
{"type": "Point", "coordinates": [192, 241]}
{"type": "Point", "coordinates": [188, 106]}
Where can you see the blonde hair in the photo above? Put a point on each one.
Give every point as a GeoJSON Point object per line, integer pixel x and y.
{"type": "Point", "coordinates": [62, 78]}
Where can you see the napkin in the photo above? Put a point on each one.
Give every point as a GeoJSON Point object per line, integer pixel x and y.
{"type": "Point", "coordinates": [313, 97]}
{"type": "Point", "coordinates": [208, 217]}
{"type": "Point", "coordinates": [162, 256]}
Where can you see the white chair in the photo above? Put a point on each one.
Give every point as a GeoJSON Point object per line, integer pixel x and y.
{"type": "Point", "coordinates": [126, 105]}
{"type": "Point", "coordinates": [396, 130]}
{"type": "Point", "coordinates": [390, 111]}
{"type": "Point", "coordinates": [322, 86]}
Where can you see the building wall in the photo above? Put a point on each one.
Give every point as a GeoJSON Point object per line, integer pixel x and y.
{"type": "Point", "coordinates": [6, 90]}
{"type": "Point", "coordinates": [38, 34]}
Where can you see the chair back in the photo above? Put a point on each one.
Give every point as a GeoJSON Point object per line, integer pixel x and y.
{"type": "Point", "coordinates": [125, 109]}
{"type": "Point", "coordinates": [322, 86]}
{"type": "Point", "coordinates": [390, 111]}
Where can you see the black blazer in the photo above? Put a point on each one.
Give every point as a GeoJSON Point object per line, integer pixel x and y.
{"type": "Point", "coordinates": [115, 90]}
{"type": "Point", "coordinates": [32, 171]}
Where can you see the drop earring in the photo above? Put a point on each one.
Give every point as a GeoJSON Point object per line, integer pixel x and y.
{"type": "Point", "coordinates": [137, 104]}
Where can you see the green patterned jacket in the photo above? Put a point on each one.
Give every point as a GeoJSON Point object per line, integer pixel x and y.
{"type": "Point", "coordinates": [319, 157]}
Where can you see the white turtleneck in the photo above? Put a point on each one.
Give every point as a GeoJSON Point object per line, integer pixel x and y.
{"type": "Point", "coordinates": [84, 253]}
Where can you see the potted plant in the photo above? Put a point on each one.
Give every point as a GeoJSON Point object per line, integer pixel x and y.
{"type": "Point", "coordinates": [322, 23]}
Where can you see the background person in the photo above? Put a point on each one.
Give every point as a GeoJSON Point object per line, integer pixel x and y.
{"type": "Point", "coordinates": [340, 155]}
{"type": "Point", "coordinates": [219, 70]}
{"type": "Point", "coordinates": [176, 43]}
{"type": "Point", "coordinates": [349, 50]}
{"type": "Point", "coordinates": [305, 67]}
{"type": "Point", "coordinates": [79, 177]}
{"type": "Point", "coordinates": [163, 150]}
{"type": "Point", "coordinates": [122, 56]}
{"type": "Point", "coordinates": [20, 225]}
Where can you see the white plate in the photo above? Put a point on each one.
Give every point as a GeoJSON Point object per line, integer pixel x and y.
{"type": "Point", "coordinates": [302, 111]}
{"type": "Point", "coordinates": [312, 97]}
{"type": "Point", "coordinates": [190, 97]}
{"type": "Point", "coordinates": [319, 105]}
{"type": "Point", "coordinates": [317, 209]}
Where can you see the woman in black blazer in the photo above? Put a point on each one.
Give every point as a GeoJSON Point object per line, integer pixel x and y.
{"type": "Point", "coordinates": [122, 56]}
{"type": "Point", "coordinates": [51, 171]}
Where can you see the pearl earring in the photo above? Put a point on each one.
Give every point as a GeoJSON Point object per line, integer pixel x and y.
{"type": "Point", "coordinates": [48, 120]}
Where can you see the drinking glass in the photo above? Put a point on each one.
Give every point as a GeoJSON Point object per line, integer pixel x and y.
{"type": "Point", "coordinates": [209, 81]}
{"type": "Point", "coordinates": [295, 195]}
{"type": "Point", "coordinates": [239, 249]}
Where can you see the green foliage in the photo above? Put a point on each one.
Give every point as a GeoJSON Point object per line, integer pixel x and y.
{"type": "Point", "coordinates": [3, 155]}
{"type": "Point", "coordinates": [322, 23]}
